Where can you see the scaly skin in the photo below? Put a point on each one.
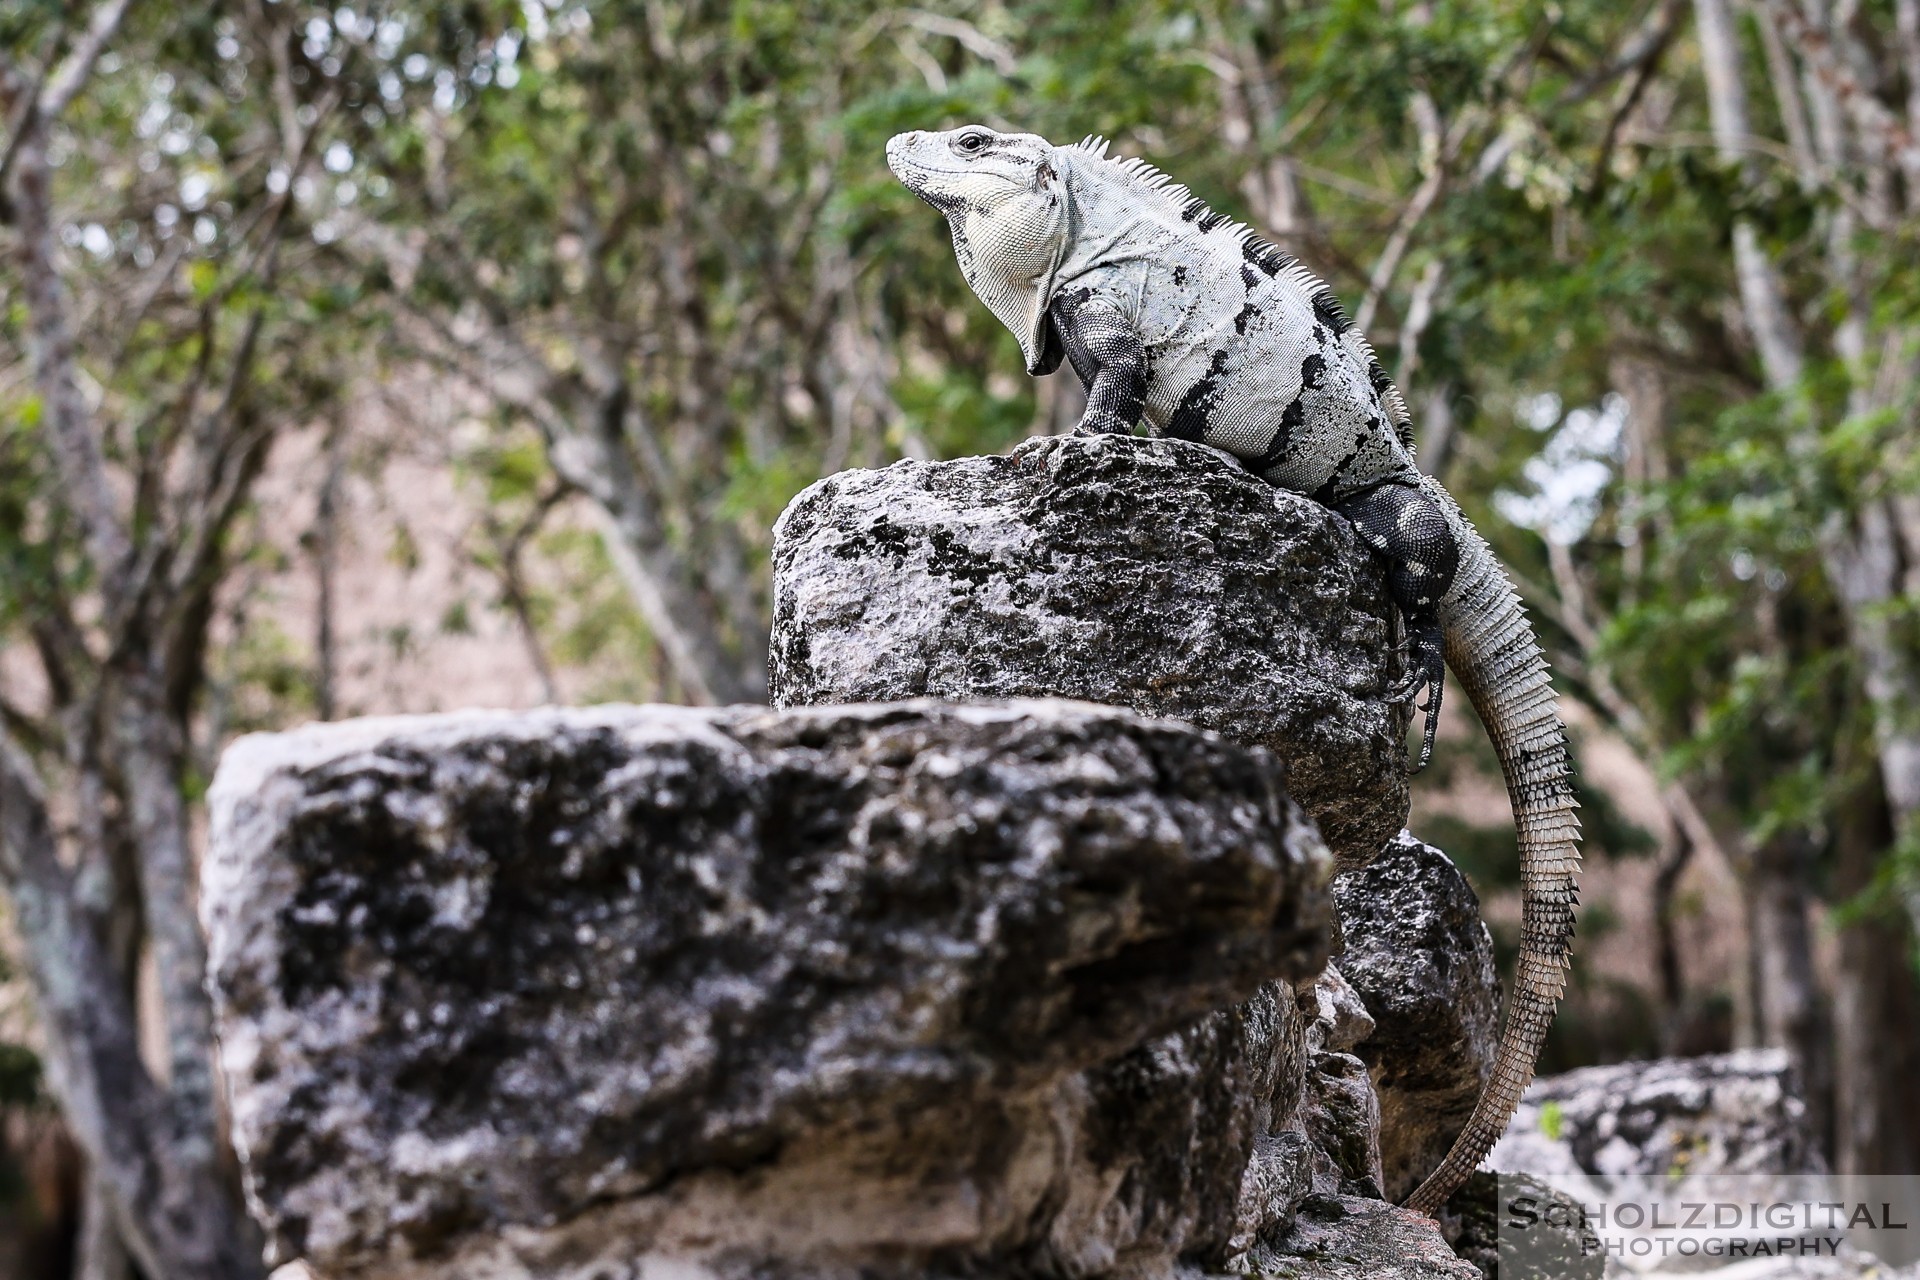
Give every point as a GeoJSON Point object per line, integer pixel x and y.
{"type": "Point", "coordinates": [1178, 319]}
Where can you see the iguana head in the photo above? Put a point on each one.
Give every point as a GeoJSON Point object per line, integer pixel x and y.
{"type": "Point", "coordinates": [1005, 198]}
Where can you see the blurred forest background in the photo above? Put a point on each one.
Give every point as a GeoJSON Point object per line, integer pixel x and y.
{"type": "Point", "coordinates": [430, 354]}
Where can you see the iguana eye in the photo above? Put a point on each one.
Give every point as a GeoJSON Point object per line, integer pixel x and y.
{"type": "Point", "coordinates": [971, 144]}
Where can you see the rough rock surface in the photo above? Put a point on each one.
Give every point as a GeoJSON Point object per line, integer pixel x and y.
{"type": "Point", "coordinates": [1339, 1111]}
{"type": "Point", "coordinates": [1678, 1124]}
{"type": "Point", "coordinates": [1561, 1245]}
{"type": "Point", "coordinates": [1725, 1113]}
{"type": "Point", "coordinates": [1351, 1238]}
{"type": "Point", "coordinates": [897, 989]}
{"type": "Point", "coordinates": [1422, 962]}
{"type": "Point", "coordinates": [1152, 574]}
{"type": "Point", "coordinates": [1322, 1134]}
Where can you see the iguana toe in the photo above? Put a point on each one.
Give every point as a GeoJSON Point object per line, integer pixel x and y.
{"type": "Point", "coordinates": [1428, 664]}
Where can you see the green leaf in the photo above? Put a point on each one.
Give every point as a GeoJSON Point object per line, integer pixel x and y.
{"type": "Point", "coordinates": [1553, 1120]}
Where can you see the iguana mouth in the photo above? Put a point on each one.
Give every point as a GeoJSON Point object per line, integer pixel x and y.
{"type": "Point", "coordinates": [913, 174]}
{"type": "Point", "coordinates": [913, 179]}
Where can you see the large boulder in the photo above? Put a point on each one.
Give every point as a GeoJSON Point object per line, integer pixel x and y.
{"type": "Point", "coordinates": [885, 990]}
{"type": "Point", "coordinates": [1152, 574]}
{"type": "Point", "coordinates": [1420, 958]}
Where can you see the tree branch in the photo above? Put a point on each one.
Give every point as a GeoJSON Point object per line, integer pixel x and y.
{"type": "Point", "coordinates": [1888, 136]}
{"type": "Point", "coordinates": [1762, 293]}
{"type": "Point", "coordinates": [51, 349]}
{"type": "Point", "coordinates": [73, 73]}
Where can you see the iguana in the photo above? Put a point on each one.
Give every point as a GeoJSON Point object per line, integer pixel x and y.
{"type": "Point", "coordinates": [1178, 318]}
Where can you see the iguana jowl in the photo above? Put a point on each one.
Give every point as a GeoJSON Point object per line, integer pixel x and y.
{"type": "Point", "coordinates": [1173, 315]}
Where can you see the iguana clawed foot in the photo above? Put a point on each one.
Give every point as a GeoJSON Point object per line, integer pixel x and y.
{"type": "Point", "coordinates": [1426, 667]}
{"type": "Point", "coordinates": [1101, 427]}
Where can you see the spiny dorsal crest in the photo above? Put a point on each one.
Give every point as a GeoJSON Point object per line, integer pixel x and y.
{"type": "Point", "coordinates": [1152, 183]}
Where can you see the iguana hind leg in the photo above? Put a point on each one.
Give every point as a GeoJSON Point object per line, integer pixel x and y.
{"type": "Point", "coordinates": [1407, 529]}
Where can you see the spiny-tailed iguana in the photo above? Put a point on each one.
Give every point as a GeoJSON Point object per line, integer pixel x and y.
{"type": "Point", "coordinates": [1172, 314]}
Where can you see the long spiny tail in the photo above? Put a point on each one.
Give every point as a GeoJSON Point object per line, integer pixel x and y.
{"type": "Point", "coordinates": [1492, 651]}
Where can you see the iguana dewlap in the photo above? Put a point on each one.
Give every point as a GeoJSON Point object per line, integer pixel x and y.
{"type": "Point", "coordinates": [1177, 318]}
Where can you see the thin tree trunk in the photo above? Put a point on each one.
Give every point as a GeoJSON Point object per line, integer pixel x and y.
{"type": "Point", "coordinates": [106, 888]}
{"type": "Point", "coordinates": [1907, 24]}
{"type": "Point", "coordinates": [83, 467]}
{"type": "Point", "coordinates": [1876, 1010]}
{"type": "Point", "coordinates": [1666, 881]}
{"type": "Point", "coordinates": [99, 1255]}
{"type": "Point", "coordinates": [1643, 384]}
{"type": "Point", "coordinates": [175, 1213]}
{"type": "Point", "coordinates": [508, 546]}
{"type": "Point", "coordinates": [326, 552]}
{"type": "Point", "coordinates": [1868, 571]}
{"type": "Point", "coordinates": [150, 758]}
{"type": "Point", "coordinates": [1762, 296]}
{"type": "Point", "coordinates": [1790, 1004]}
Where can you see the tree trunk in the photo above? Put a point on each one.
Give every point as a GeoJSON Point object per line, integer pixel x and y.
{"type": "Point", "coordinates": [1762, 297]}
{"type": "Point", "coordinates": [1868, 571]}
{"type": "Point", "coordinates": [595, 460]}
{"type": "Point", "coordinates": [99, 1255]}
{"type": "Point", "coordinates": [150, 758]}
{"type": "Point", "coordinates": [1788, 1000]}
{"type": "Point", "coordinates": [176, 1214]}
{"type": "Point", "coordinates": [1674, 857]}
{"type": "Point", "coordinates": [325, 550]}
{"type": "Point", "coordinates": [1876, 1009]}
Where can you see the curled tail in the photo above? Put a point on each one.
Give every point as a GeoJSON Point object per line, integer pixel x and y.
{"type": "Point", "coordinates": [1493, 653]}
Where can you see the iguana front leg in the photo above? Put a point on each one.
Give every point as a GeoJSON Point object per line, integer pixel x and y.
{"type": "Point", "coordinates": [1107, 354]}
{"type": "Point", "coordinates": [1411, 533]}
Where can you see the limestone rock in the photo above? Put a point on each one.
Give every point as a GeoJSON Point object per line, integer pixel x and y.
{"type": "Point", "coordinates": [1339, 1112]}
{"type": "Point", "coordinates": [1168, 1139]}
{"type": "Point", "coordinates": [885, 989]}
{"type": "Point", "coordinates": [1559, 1242]}
{"type": "Point", "coordinates": [1422, 962]}
{"type": "Point", "coordinates": [1351, 1238]}
{"type": "Point", "coordinates": [1725, 1113]}
{"type": "Point", "coordinates": [1152, 574]}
